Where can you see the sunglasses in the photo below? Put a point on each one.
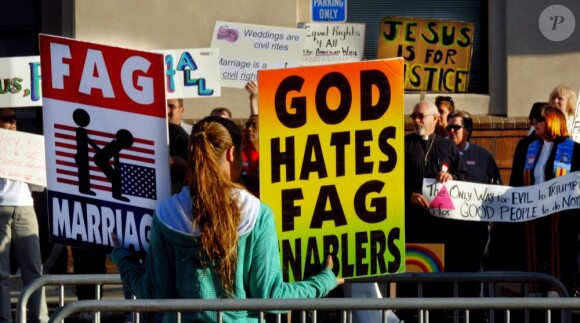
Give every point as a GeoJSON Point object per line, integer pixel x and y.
{"type": "Point", "coordinates": [455, 127]}
{"type": "Point", "coordinates": [539, 119]}
{"type": "Point", "coordinates": [419, 115]}
{"type": "Point", "coordinates": [11, 118]}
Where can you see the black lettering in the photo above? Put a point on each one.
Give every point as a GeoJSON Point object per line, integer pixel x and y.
{"type": "Point", "coordinates": [282, 158]}
{"type": "Point", "coordinates": [362, 151]}
{"type": "Point", "coordinates": [448, 37]}
{"type": "Point", "coordinates": [331, 247]}
{"type": "Point", "coordinates": [432, 37]}
{"type": "Point", "coordinates": [328, 194]}
{"type": "Point", "coordinates": [313, 147]}
{"type": "Point", "coordinates": [394, 235]}
{"type": "Point", "coordinates": [340, 82]}
{"type": "Point", "coordinates": [392, 29]}
{"type": "Point", "coordinates": [409, 32]}
{"type": "Point", "coordinates": [466, 33]}
{"type": "Point", "coordinates": [340, 140]}
{"type": "Point", "coordinates": [347, 268]}
{"type": "Point", "coordinates": [415, 77]}
{"type": "Point", "coordinates": [289, 209]}
{"type": "Point", "coordinates": [298, 104]}
{"type": "Point", "coordinates": [291, 262]}
{"type": "Point", "coordinates": [377, 254]}
{"type": "Point", "coordinates": [312, 264]}
{"type": "Point", "coordinates": [386, 166]}
{"type": "Point", "coordinates": [379, 204]}
{"type": "Point", "coordinates": [361, 238]}
{"type": "Point", "coordinates": [369, 79]}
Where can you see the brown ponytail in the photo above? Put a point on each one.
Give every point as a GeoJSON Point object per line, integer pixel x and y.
{"type": "Point", "coordinates": [215, 210]}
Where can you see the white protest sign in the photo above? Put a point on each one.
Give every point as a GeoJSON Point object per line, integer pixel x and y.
{"type": "Point", "coordinates": [494, 203]}
{"type": "Point", "coordinates": [575, 131]}
{"type": "Point", "coordinates": [20, 82]}
{"type": "Point", "coordinates": [192, 73]}
{"type": "Point", "coordinates": [245, 49]}
{"type": "Point", "coordinates": [106, 142]}
{"type": "Point", "coordinates": [22, 157]}
{"type": "Point", "coordinates": [327, 43]}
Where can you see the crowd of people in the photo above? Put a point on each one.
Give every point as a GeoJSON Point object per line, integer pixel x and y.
{"type": "Point", "coordinates": [215, 239]}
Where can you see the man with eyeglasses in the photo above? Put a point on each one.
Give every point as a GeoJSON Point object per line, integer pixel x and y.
{"type": "Point", "coordinates": [19, 232]}
{"type": "Point", "coordinates": [427, 155]}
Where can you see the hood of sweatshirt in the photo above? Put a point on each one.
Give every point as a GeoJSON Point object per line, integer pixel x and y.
{"type": "Point", "coordinates": [176, 212]}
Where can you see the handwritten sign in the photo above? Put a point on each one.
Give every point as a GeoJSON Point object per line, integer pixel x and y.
{"type": "Point", "coordinates": [437, 53]}
{"type": "Point", "coordinates": [245, 49]}
{"type": "Point", "coordinates": [333, 43]}
{"type": "Point", "coordinates": [20, 84]}
{"type": "Point", "coordinates": [575, 131]}
{"type": "Point", "coordinates": [494, 203]}
{"type": "Point", "coordinates": [105, 130]}
{"type": "Point", "coordinates": [332, 137]}
{"type": "Point", "coordinates": [22, 157]}
{"type": "Point", "coordinates": [192, 73]}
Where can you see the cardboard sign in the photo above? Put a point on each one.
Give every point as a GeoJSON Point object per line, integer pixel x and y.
{"type": "Point", "coordinates": [192, 73]}
{"type": "Point", "coordinates": [333, 43]}
{"type": "Point", "coordinates": [20, 82]}
{"type": "Point", "coordinates": [245, 49]}
{"type": "Point", "coordinates": [331, 168]}
{"type": "Point", "coordinates": [107, 154]}
{"type": "Point", "coordinates": [437, 53]}
{"type": "Point", "coordinates": [494, 203]}
{"type": "Point", "coordinates": [22, 157]}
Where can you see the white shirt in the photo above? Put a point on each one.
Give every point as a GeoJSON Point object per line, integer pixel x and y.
{"type": "Point", "coordinates": [186, 126]}
{"type": "Point", "coordinates": [541, 163]}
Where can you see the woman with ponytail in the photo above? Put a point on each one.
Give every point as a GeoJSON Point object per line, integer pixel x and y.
{"type": "Point", "coordinates": [214, 239]}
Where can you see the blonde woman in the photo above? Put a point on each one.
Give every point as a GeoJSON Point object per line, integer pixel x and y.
{"type": "Point", "coordinates": [564, 98]}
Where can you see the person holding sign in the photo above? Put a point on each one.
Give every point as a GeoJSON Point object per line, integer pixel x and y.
{"type": "Point", "coordinates": [214, 239]}
{"type": "Point", "coordinates": [550, 244]}
{"type": "Point", "coordinates": [481, 168]}
{"type": "Point", "coordinates": [427, 155]}
{"type": "Point", "coordinates": [19, 233]}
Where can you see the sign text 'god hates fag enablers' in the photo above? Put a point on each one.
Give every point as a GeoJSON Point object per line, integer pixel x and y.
{"type": "Point", "coordinates": [331, 171]}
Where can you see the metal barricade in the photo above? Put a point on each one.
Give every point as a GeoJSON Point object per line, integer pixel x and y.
{"type": "Point", "coordinates": [489, 278]}
{"type": "Point", "coordinates": [313, 305]}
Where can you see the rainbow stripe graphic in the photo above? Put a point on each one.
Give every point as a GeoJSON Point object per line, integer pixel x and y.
{"type": "Point", "coordinates": [425, 257]}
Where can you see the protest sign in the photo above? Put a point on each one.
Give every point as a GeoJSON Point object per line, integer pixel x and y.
{"type": "Point", "coordinates": [437, 53]}
{"type": "Point", "coordinates": [331, 143]}
{"type": "Point", "coordinates": [20, 82]}
{"type": "Point", "coordinates": [575, 131]}
{"type": "Point", "coordinates": [424, 257]}
{"type": "Point", "coordinates": [245, 49]}
{"type": "Point", "coordinates": [107, 155]}
{"type": "Point", "coordinates": [192, 73]}
{"type": "Point", "coordinates": [494, 203]}
{"type": "Point", "coordinates": [22, 157]}
{"type": "Point", "coordinates": [333, 43]}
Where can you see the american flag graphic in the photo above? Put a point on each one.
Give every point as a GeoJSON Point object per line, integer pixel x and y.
{"type": "Point", "coordinates": [137, 163]}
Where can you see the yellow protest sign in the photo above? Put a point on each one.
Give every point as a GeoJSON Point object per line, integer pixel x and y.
{"type": "Point", "coordinates": [331, 165]}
